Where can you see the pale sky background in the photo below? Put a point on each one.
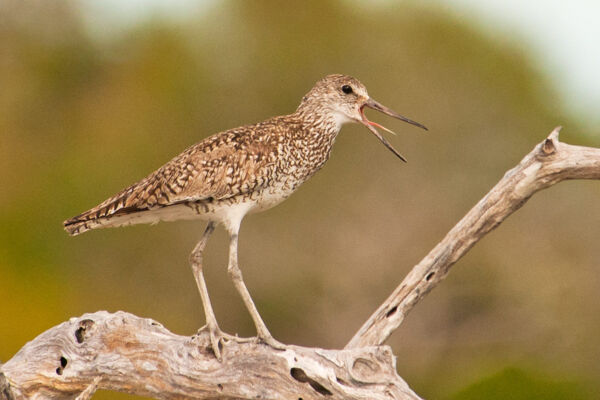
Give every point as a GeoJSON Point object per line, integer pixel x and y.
{"type": "Point", "coordinates": [562, 36]}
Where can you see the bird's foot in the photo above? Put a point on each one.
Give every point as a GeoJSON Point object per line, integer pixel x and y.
{"type": "Point", "coordinates": [269, 340]}
{"type": "Point", "coordinates": [218, 339]}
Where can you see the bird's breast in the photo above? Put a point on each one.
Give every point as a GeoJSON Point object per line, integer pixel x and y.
{"type": "Point", "coordinates": [272, 196]}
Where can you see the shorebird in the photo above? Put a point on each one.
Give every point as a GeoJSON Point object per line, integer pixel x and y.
{"type": "Point", "coordinates": [239, 171]}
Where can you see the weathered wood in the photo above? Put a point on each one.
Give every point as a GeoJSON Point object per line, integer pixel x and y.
{"type": "Point", "coordinates": [549, 163]}
{"type": "Point", "coordinates": [130, 354]}
{"type": "Point", "coordinates": [126, 353]}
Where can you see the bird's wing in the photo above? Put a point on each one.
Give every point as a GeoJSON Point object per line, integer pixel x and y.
{"type": "Point", "coordinates": [227, 170]}
{"type": "Point", "coordinates": [225, 165]}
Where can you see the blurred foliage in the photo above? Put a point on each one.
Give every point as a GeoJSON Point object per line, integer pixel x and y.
{"type": "Point", "coordinates": [516, 384]}
{"type": "Point", "coordinates": [81, 118]}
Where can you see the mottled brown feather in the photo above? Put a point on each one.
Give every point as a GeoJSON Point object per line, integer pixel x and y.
{"type": "Point", "coordinates": [205, 170]}
{"type": "Point", "coordinates": [281, 152]}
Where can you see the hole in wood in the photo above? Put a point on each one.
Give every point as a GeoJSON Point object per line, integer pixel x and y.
{"type": "Point", "coordinates": [341, 381]}
{"type": "Point", "coordinates": [61, 367]}
{"type": "Point", "coordinates": [391, 312]}
{"type": "Point", "coordinates": [299, 375]}
{"type": "Point", "coordinates": [548, 147]}
{"type": "Point", "coordinates": [84, 325]}
{"type": "Point", "coordinates": [429, 276]}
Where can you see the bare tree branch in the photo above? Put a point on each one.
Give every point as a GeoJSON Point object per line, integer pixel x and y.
{"type": "Point", "coordinates": [126, 353]}
{"type": "Point", "coordinates": [547, 164]}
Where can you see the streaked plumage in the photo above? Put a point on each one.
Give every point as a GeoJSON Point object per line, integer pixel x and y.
{"type": "Point", "coordinates": [254, 163]}
{"type": "Point", "coordinates": [241, 170]}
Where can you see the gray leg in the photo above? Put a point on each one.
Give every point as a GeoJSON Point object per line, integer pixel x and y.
{"type": "Point", "coordinates": [238, 281]}
{"type": "Point", "coordinates": [196, 263]}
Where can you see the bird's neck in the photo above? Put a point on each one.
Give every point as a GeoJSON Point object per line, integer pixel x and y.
{"type": "Point", "coordinates": [319, 128]}
{"type": "Point", "coordinates": [319, 121]}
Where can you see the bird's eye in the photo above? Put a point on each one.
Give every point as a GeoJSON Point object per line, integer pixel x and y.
{"type": "Point", "coordinates": [347, 89]}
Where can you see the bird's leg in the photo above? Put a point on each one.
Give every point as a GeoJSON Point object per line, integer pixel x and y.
{"type": "Point", "coordinates": [236, 275]}
{"type": "Point", "coordinates": [196, 262]}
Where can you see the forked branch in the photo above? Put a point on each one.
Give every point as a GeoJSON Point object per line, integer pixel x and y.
{"type": "Point", "coordinates": [126, 353]}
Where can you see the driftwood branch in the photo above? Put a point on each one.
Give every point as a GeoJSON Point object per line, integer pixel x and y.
{"type": "Point", "coordinates": [136, 355]}
{"type": "Point", "coordinates": [549, 163]}
{"type": "Point", "coordinates": [126, 353]}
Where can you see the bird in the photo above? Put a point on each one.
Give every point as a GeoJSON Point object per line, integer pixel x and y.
{"type": "Point", "coordinates": [239, 171]}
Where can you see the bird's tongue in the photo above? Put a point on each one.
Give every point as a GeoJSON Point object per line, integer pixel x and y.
{"type": "Point", "coordinates": [366, 121]}
{"type": "Point", "coordinates": [371, 126]}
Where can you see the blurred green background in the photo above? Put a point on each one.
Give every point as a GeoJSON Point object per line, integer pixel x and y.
{"type": "Point", "coordinates": [82, 116]}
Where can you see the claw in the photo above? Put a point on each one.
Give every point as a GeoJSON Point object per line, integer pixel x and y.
{"type": "Point", "coordinates": [218, 339]}
{"type": "Point", "coordinates": [270, 341]}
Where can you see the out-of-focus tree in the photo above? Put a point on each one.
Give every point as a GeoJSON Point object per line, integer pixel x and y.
{"type": "Point", "coordinates": [82, 118]}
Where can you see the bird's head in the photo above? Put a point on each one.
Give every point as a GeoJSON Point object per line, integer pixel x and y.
{"type": "Point", "coordinates": [345, 98]}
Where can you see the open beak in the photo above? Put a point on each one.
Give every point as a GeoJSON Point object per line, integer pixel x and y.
{"type": "Point", "coordinates": [371, 125]}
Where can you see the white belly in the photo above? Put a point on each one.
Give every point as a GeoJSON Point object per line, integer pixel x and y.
{"type": "Point", "coordinates": [229, 212]}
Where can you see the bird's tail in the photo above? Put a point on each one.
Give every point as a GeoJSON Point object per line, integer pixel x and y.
{"type": "Point", "coordinates": [93, 219]}
{"type": "Point", "coordinates": [76, 225]}
{"type": "Point", "coordinates": [111, 212]}
{"type": "Point", "coordinates": [141, 203]}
